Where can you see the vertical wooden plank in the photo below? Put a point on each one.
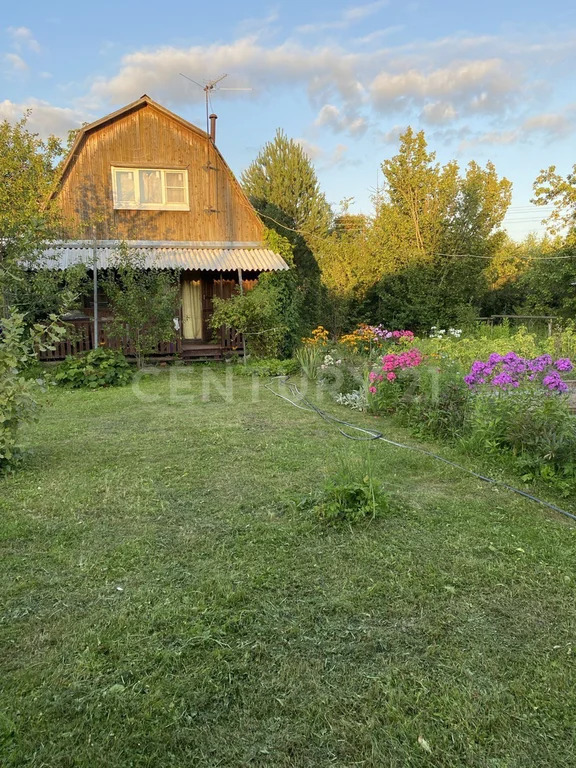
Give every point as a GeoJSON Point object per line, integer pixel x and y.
{"type": "Point", "coordinates": [153, 139]}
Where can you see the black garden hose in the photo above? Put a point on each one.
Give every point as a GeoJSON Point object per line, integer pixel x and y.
{"type": "Point", "coordinates": [371, 434]}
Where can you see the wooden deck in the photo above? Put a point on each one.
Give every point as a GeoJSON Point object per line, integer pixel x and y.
{"type": "Point", "coordinates": [81, 339]}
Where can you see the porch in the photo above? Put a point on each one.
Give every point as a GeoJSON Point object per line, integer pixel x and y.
{"type": "Point", "coordinates": [81, 339]}
{"type": "Point", "coordinates": [206, 271]}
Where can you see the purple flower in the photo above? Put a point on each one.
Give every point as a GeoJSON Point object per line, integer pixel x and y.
{"type": "Point", "coordinates": [479, 367]}
{"type": "Point", "coordinates": [563, 364]}
{"type": "Point", "coordinates": [502, 380]}
{"type": "Point", "coordinates": [511, 370]}
{"type": "Point", "coordinates": [554, 382]}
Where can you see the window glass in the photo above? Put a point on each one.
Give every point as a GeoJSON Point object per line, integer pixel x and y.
{"type": "Point", "coordinates": [150, 189]}
{"type": "Point", "coordinates": [175, 195]}
{"type": "Point", "coordinates": [175, 192]}
{"type": "Point", "coordinates": [174, 179]}
{"type": "Point", "coordinates": [125, 186]}
{"type": "Point", "coordinates": [150, 186]}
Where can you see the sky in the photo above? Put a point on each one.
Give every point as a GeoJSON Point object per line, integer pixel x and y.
{"type": "Point", "coordinates": [489, 81]}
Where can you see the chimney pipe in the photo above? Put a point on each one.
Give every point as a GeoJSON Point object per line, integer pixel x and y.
{"type": "Point", "coordinates": [213, 119]}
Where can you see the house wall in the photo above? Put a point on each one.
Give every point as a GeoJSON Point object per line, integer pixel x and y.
{"type": "Point", "coordinates": [146, 137]}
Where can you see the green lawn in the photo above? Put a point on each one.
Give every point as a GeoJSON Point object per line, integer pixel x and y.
{"type": "Point", "coordinates": [162, 604]}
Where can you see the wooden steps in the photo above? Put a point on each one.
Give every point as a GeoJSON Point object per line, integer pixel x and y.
{"type": "Point", "coordinates": [201, 351]}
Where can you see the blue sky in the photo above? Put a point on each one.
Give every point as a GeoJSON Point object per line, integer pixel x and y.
{"type": "Point", "coordinates": [486, 81]}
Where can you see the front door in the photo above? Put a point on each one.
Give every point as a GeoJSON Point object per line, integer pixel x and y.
{"type": "Point", "coordinates": [192, 309]}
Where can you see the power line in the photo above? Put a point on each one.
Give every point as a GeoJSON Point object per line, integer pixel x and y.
{"type": "Point", "coordinates": [447, 255]}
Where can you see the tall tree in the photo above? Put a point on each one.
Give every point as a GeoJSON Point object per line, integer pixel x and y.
{"type": "Point", "coordinates": [347, 269]}
{"type": "Point", "coordinates": [282, 185]}
{"type": "Point", "coordinates": [550, 187]}
{"type": "Point", "coordinates": [283, 179]}
{"type": "Point", "coordinates": [27, 172]}
{"type": "Point", "coordinates": [418, 202]}
{"type": "Point", "coordinates": [549, 277]}
{"type": "Point", "coordinates": [433, 231]}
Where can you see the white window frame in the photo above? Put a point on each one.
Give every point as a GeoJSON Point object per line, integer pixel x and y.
{"type": "Point", "coordinates": [136, 205]}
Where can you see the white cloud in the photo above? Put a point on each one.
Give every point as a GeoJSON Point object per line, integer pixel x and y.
{"type": "Point", "coordinates": [378, 34]}
{"type": "Point", "coordinates": [321, 157]}
{"type": "Point", "coordinates": [391, 136]}
{"type": "Point", "coordinates": [332, 117]}
{"type": "Point", "coordinates": [547, 125]}
{"type": "Point", "coordinates": [15, 62]}
{"type": "Point", "coordinates": [338, 156]}
{"type": "Point", "coordinates": [359, 12]}
{"type": "Point", "coordinates": [45, 119]}
{"type": "Point", "coordinates": [554, 125]}
{"type": "Point", "coordinates": [387, 79]}
{"type": "Point", "coordinates": [479, 85]}
{"type": "Point", "coordinates": [459, 83]}
{"type": "Point", "coordinates": [314, 151]}
{"type": "Point", "coordinates": [348, 17]}
{"type": "Point", "coordinates": [323, 70]}
{"type": "Point", "coordinates": [22, 37]}
{"type": "Point", "coordinates": [438, 112]}
{"type": "Point", "coordinates": [257, 26]}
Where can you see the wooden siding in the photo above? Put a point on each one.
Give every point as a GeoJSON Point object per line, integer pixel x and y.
{"type": "Point", "coordinates": [146, 137]}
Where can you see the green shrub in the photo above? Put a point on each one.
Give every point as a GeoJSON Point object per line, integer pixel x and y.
{"type": "Point", "coordinates": [437, 402]}
{"type": "Point", "coordinates": [350, 496]}
{"type": "Point", "coordinates": [98, 368]}
{"type": "Point", "coordinates": [533, 426]}
{"type": "Point", "coordinates": [267, 367]}
{"type": "Point", "coordinates": [19, 392]}
{"type": "Point", "coordinates": [465, 349]}
{"type": "Point", "coordinates": [341, 377]}
{"type": "Point", "coordinates": [562, 343]}
{"type": "Point", "coordinates": [254, 315]}
{"type": "Point", "coordinates": [310, 358]}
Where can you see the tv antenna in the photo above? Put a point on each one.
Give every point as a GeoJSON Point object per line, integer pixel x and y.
{"type": "Point", "coordinates": [208, 88]}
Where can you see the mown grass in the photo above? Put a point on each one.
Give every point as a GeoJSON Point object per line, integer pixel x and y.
{"type": "Point", "coordinates": [164, 606]}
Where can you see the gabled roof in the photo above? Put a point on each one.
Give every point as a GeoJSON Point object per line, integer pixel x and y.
{"type": "Point", "coordinates": [143, 101]}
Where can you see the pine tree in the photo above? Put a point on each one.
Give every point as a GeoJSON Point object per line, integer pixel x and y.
{"type": "Point", "coordinates": [282, 185]}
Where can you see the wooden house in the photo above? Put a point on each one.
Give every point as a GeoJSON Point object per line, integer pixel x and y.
{"type": "Point", "coordinates": [144, 177]}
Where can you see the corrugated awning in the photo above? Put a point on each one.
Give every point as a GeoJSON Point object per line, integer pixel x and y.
{"type": "Point", "coordinates": [163, 255]}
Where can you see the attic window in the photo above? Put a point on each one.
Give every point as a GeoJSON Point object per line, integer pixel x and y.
{"type": "Point", "coordinates": [150, 189]}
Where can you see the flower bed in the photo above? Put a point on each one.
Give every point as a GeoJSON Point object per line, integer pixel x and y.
{"type": "Point", "coordinates": [510, 371]}
{"type": "Point", "coordinates": [495, 402]}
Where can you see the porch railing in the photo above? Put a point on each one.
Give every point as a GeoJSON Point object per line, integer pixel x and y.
{"type": "Point", "coordinates": [230, 339]}
{"type": "Point", "coordinates": [81, 339]}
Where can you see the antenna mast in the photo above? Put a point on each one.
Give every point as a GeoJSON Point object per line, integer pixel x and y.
{"type": "Point", "coordinates": [208, 88]}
